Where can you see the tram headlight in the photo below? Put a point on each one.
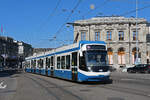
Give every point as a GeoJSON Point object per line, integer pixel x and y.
{"type": "Point", "coordinates": [89, 69]}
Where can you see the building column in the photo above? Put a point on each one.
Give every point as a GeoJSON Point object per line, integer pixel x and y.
{"type": "Point", "coordinates": [115, 60]}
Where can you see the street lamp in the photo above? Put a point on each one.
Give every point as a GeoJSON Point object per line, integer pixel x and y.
{"type": "Point", "coordinates": [137, 56]}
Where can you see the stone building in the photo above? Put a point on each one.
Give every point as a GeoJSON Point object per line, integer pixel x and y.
{"type": "Point", "coordinates": [120, 35]}
{"type": "Point", "coordinates": [8, 47]}
{"type": "Point", "coordinates": [24, 49]}
{"type": "Point", "coordinates": [13, 51]}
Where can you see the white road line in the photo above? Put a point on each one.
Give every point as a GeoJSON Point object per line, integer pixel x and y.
{"type": "Point", "coordinates": [127, 79]}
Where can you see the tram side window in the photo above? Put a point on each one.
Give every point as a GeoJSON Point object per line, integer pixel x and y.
{"type": "Point", "coordinates": [34, 64]}
{"type": "Point", "coordinates": [74, 59]}
{"type": "Point", "coordinates": [52, 61]}
{"type": "Point", "coordinates": [58, 62]}
{"type": "Point", "coordinates": [68, 62]}
{"type": "Point", "coordinates": [38, 63]}
{"type": "Point", "coordinates": [82, 64]}
{"type": "Point", "coordinates": [28, 64]}
{"type": "Point", "coordinates": [41, 63]}
{"type": "Point", "coordinates": [48, 62]}
{"type": "Point", "coordinates": [63, 62]}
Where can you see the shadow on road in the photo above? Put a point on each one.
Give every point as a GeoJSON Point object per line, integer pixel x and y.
{"type": "Point", "coordinates": [98, 83]}
{"type": "Point", "coordinates": [8, 73]}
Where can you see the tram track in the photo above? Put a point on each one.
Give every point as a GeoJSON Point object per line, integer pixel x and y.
{"type": "Point", "coordinates": [116, 87]}
{"type": "Point", "coordinates": [58, 92]}
{"type": "Point", "coordinates": [127, 90]}
{"type": "Point", "coordinates": [132, 81]}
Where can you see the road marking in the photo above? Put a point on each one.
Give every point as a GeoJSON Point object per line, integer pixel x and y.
{"type": "Point", "coordinates": [2, 86]}
{"type": "Point", "coordinates": [126, 79]}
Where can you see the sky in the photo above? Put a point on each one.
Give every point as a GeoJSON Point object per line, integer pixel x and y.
{"type": "Point", "coordinates": [37, 22]}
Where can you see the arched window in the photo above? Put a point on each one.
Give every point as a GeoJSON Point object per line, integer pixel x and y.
{"type": "Point", "coordinates": [121, 56]}
{"type": "Point", "coordinates": [110, 55]}
{"type": "Point", "coordinates": [134, 54]}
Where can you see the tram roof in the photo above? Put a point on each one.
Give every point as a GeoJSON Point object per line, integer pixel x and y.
{"type": "Point", "coordinates": [63, 49]}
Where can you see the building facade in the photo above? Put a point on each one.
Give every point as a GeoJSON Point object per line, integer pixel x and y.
{"type": "Point", "coordinates": [124, 40]}
{"type": "Point", "coordinates": [8, 47]}
{"type": "Point", "coordinates": [13, 51]}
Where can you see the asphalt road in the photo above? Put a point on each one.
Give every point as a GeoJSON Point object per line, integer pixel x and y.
{"type": "Point", "coordinates": [27, 86]}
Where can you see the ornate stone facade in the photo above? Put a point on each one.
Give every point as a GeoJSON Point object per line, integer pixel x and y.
{"type": "Point", "coordinates": [120, 35]}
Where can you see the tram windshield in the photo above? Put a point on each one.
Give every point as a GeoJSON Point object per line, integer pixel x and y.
{"type": "Point", "coordinates": [95, 61]}
{"type": "Point", "coordinates": [96, 58]}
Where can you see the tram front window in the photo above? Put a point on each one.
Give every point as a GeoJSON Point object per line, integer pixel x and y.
{"type": "Point", "coordinates": [95, 58]}
{"type": "Point", "coordinates": [95, 61]}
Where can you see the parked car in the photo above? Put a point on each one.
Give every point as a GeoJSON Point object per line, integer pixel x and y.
{"type": "Point", "coordinates": [1, 68]}
{"type": "Point", "coordinates": [140, 68]}
{"type": "Point", "coordinates": [147, 68]}
{"type": "Point", "coordinates": [124, 69]}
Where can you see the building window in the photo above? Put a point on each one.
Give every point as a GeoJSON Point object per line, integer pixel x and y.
{"type": "Point", "coordinates": [110, 55]}
{"type": "Point", "coordinates": [121, 56]}
{"type": "Point", "coordinates": [83, 35]}
{"type": "Point", "coordinates": [121, 35]}
{"type": "Point", "coordinates": [135, 50]}
{"type": "Point", "coordinates": [134, 35]}
{"type": "Point", "coordinates": [109, 35]}
{"type": "Point", "coordinates": [97, 36]}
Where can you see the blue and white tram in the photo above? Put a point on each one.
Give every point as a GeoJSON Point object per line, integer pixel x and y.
{"type": "Point", "coordinates": [83, 61]}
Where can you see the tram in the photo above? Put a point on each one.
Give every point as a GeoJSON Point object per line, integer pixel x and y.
{"type": "Point", "coordinates": [83, 61]}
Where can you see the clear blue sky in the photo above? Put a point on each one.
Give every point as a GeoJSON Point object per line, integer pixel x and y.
{"type": "Point", "coordinates": [36, 21]}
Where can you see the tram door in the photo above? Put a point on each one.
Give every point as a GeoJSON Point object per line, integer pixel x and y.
{"type": "Point", "coordinates": [47, 65]}
{"type": "Point", "coordinates": [46, 71]}
{"type": "Point", "coordinates": [52, 71]}
{"type": "Point", "coordinates": [52, 66]}
{"type": "Point", "coordinates": [34, 66]}
{"type": "Point", "coordinates": [74, 66]}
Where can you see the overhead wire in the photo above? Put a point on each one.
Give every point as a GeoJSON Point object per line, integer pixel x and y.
{"type": "Point", "coordinates": [73, 10]}
{"type": "Point", "coordinates": [132, 11]}
{"type": "Point", "coordinates": [52, 14]}
{"type": "Point", "coordinates": [61, 27]}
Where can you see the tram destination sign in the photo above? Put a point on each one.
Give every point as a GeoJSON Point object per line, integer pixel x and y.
{"type": "Point", "coordinates": [96, 47]}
